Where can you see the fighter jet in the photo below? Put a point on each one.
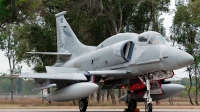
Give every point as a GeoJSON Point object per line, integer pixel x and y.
{"type": "Point", "coordinates": [138, 62]}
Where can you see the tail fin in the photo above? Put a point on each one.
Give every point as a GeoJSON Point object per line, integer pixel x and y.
{"type": "Point", "coordinates": [66, 39]}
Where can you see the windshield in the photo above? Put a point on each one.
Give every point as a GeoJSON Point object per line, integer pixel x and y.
{"type": "Point", "coordinates": [156, 39]}
{"type": "Point", "coordinates": [142, 39]}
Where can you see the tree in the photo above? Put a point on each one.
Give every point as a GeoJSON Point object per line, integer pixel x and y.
{"type": "Point", "coordinates": [12, 13]}
{"type": "Point", "coordinates": [37, 38]}
{"type": "Point", "coordinates": [185, 33]}
{"type": "Point", "coordinates": [16, 11]}
{"type": "Point", "coordinates": [10, 47]}
{"type": "Point", "coordinates": [146, 16]}
{"type": "Point", "coordinates": [38, 34]}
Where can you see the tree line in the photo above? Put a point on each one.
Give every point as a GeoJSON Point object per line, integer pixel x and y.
{"type": "Point", "coordinates": [20, 86]}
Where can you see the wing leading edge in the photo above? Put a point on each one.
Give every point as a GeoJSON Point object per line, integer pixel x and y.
{"type": "Point", "coordinates": [56, 76]}
{"type": "Point", "coordinates": [51, 53]}
{"type": "Point", "coordinates": [77, 75]}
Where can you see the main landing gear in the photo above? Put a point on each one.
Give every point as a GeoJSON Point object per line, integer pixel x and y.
{"type": "Point", "coordinates": [132, 104]}
{"type": "Point", "coordinates": [83, 103]}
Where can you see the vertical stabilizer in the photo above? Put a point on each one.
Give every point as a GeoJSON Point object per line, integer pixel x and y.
{"type": "Point", "coordinates": [66, 39]}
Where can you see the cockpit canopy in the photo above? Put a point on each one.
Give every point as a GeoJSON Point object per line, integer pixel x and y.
{"type": "Point", "coordinates": [151, 37]}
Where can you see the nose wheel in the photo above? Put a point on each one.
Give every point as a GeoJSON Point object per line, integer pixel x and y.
{"type": "Point", "coordinates": [148, 107]}
{"type": "Point", "coordinates": [83, 103]}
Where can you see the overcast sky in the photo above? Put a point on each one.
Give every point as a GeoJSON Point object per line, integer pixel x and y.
{"type": "Point", "coordinates": [3, 63]}
{"type": "Point", "coordinates": [4, 66]}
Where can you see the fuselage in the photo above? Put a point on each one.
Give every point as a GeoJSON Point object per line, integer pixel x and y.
{"type": "Point", "coordinates": [146, 56]}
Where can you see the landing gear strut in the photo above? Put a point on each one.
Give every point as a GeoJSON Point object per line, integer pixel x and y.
{"type": "Point", "coordinates": [148, 106]}
{"type": "Point", "coordinates": [83, 103]}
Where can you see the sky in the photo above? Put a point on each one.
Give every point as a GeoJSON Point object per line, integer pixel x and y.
{"type": "Point", "coordinates": [3, 63]}
{"type": "Point", "coordinates": [4, 66]}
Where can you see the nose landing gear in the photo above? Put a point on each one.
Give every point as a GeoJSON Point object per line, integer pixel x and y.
{"type": "Point", "coordinates": [148, 106]}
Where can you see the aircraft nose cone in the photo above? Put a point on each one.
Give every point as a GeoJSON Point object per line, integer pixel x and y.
{"type": "Point", "coordinates": [176, 58]}
{"type": "Point", "coordinates": [184, 59]}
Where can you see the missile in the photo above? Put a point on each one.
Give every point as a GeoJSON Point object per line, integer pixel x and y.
{"type": "Point", "coordinates": [74, 91]}
{"type": "Point", "coordinates": [169, 90]}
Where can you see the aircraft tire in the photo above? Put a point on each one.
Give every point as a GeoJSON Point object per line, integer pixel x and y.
{"type": "Point", "coordinates": [132, 104]}
{"type": "Point", "coordinates": [83, 103]}
{"type": "Point", "coordinates": [149, 107]}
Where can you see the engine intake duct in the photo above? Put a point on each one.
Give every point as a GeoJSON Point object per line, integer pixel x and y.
{"type": "Point", "coordinates": [126, 50]}
{"type": "Point", "coordinates": [117, 53]}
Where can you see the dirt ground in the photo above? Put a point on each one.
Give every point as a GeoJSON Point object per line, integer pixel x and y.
{"type": "Point", "coordinates": [17, 106]}
{"type": "Point", "coordinates": [38, 103]}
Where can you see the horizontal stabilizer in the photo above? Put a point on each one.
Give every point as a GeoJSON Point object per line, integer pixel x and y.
{"type": "Point", "coordinates": [56, 76]}
{"type": "Point", "coordinates": [51, 53]}
{"type": "Point", "coordinates": [44, 87]}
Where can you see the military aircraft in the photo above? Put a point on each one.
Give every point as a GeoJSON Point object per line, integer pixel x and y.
{"type": "Point", "coordinates": [138, 62]}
